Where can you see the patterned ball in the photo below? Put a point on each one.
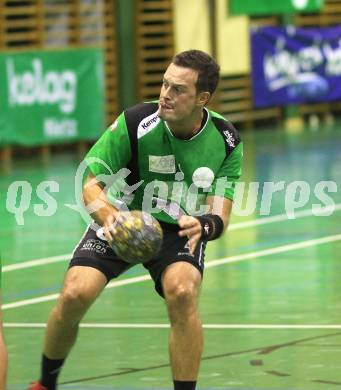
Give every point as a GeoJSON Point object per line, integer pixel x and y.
{"type": "Point", "coordinates": [137, 236]}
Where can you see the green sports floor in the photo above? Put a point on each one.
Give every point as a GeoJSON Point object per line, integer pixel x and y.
{"type": "Point", "coordinates": [271, 299]}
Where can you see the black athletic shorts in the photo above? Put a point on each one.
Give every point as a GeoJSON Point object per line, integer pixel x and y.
{"type": "Point", "coordinates": [94, 251]}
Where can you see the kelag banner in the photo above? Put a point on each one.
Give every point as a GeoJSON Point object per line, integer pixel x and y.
{"type": "Point", "coordinates": [295, 65]}
{"type": "Point", "coordinates": [270, 7]}
{"type": "Point", "coordinates": [51, 96]}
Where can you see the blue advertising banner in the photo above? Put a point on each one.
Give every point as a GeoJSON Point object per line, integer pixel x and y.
{"type": "Point", "coordinates": [295, 65]}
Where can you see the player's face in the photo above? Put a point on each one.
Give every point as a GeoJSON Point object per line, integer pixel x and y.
{"type": "Point", "coordinates": [178, 96]}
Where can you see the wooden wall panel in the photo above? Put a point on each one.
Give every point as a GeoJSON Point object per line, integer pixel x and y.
{"type": "Point", "coordinates": [328, 16]}
{"type": "Point", "coordinates": [154, 45]}
{"type": "Point", "coordinates": [234, 101]}
{"type": "Point", "coordinates": [48, 24]}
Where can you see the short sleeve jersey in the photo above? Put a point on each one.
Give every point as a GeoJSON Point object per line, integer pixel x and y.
{"type": "Point", "coordinates": [168, 176]}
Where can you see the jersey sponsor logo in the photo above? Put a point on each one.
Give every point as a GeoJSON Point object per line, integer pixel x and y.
{"type": "Point", "coordinates": [229, 138]}
{"type": "Point", "coordinates": [162, 164]}
{"type": "Point", "coordinates": [148, 124]}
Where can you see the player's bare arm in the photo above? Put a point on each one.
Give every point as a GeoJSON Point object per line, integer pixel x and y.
{"type": "Point", "coordinates": [98, 205]}
{"type": "Point", "coordinates": [191, 226]}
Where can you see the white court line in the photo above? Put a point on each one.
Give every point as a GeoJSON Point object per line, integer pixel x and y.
{"type": "Point", "coordinates": [35, 263]}
{"type": "Point", "coordinates": [284, 217]}
{"type": "Point", "coordinates": [29, 325]}
{"type": "Point", "coordinates": [233, 226]}
{"type": "Point", "coordinates": [52, 297]}
{"type": "Point", "coordinates": [213, 263]}
{"type": "Point", "coordinates": [275, 250]}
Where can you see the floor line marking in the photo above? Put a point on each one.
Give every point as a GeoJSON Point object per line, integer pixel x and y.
{"type": "Point", "coordinates": [85, 325]}
{"type": "Point", "coordinates": [233, 226]}
{"type": "Point", "coordinates": [275, 250]}
{"type": "Point", "coordinates": [35, 263]}
{"type": "Point", "coordinates": [213, 263]}
{"type": "Point", "coordinates": [284, 217]}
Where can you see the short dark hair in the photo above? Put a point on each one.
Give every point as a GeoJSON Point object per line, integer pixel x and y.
{"type": "Point", "coordinates": [204, 64]}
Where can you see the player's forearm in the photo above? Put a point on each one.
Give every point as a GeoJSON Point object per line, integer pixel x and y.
{"type": "Point", "coordinates": [97, 203]}
{"type": "Point", "coordinates": [220, 206]}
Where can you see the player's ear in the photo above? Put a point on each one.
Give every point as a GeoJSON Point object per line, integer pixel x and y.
{"type": "Point", "coordinates": [203, 98]}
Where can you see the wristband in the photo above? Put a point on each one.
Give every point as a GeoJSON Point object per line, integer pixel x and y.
{"type": "Point", "coordinates": [212, 226]}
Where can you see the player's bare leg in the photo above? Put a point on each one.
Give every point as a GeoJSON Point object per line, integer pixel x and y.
{"type": "Point", "coordinates": [81, 287]}
{"type": "Point", "coordinates": [181, 284]}
{"type": "Point", "coordinates": [3, 357]}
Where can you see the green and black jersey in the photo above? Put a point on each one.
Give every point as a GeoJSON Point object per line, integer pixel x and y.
{"type": "Point", "coordinates": [168, 176]}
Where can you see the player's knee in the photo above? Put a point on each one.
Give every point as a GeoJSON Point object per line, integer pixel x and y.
{"type": "Point", "coordinates": [180, 294]}
{"type": "Point", "coordinates": [181, 304]}
{"type": "Point", "coordinates": [73, 303]}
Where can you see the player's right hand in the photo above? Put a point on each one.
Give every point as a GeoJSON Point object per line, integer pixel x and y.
{"type": "Point", "coordinates": [109, 228]}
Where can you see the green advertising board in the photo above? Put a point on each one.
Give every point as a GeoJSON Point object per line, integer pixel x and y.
{"type": "Point", "coordinates": [51, 96]}
{"type": "Point", "coordinates": [271, 7]}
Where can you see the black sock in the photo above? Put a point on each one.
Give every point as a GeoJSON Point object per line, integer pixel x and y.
{"type": "Point", "coordinates": [184, 385]}
{"type": "Point", "coordinates": [50, 370]}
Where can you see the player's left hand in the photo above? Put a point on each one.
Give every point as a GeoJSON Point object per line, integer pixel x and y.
{"type": "Point", "coordinates": [190, 227]}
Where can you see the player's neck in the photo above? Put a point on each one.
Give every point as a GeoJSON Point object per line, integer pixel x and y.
{"type": "Point", "coordinates": [188, 128]}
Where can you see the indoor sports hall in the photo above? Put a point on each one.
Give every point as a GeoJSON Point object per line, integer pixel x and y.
{"type": "Point", "coordinates": [271, 295]}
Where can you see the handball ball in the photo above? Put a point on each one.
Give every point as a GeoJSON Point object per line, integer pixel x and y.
{"type": "Point", "coordinates": [137, 236]}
